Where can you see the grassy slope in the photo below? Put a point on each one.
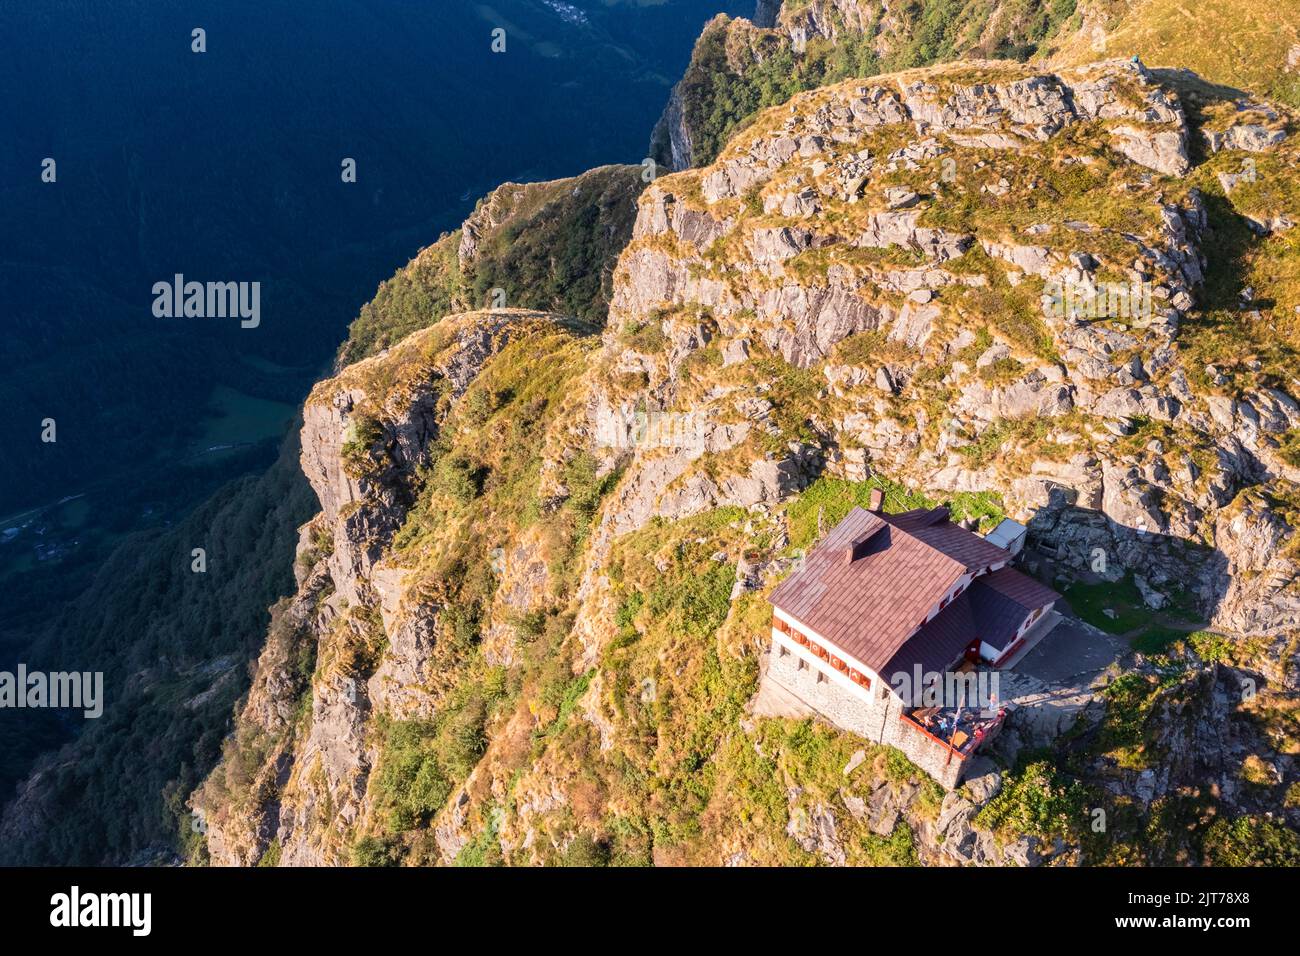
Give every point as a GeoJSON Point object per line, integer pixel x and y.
{"type": "Point", "coordinates": [484, 490]}
{"type": "Point", "coordinates": [553, 249]}
{"type": "Point", "coordinates": [721, 91]}
{"type": "Point", "coordinates": [1238, 43]}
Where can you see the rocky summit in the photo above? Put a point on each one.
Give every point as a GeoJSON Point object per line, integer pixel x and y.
{"type": "Point", "coordinates": [631, 497]}
{"type": "Point", "coordinates": [938, 245]}
{"type": "Point", "coordinates": [531, 617]}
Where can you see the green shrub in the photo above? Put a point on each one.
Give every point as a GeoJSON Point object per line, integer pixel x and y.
{"type": "Point", "coordinates": [1038, 801]}
{"type": "Point", "coordinates": [625, 617]}
{"type": "Point", "coordinates": [531, 624]}
{"type": "Point", "coordinates": [362, 435]}
{"type": "Point", "coordinates": [272, 855]}
{"type": "Point", "coordinates": [457, 477]}
{"type": "Point", "coordinates": [563, 696]}
{"type": "Point", "coordinates": [409, 777]}
{"type": "Point", "coordinates": [372, 851]}
{"type": "Point", "coordinates": [897, 849]}
{"type": "Point", "coordinates": [1123, 728]}
{"type": "Point", "coordinates": [646, 337]}
{"type": "Point", "coordinates": [421, 762]}
{"type": "Point", "coordinates": [1251, 841]}
{"type": "Point", "coordinates": [1210, 647]}
{"type": "Point", "coordinates": [484, 849]}
{"type": "Point", "coordinates": [585, 850]}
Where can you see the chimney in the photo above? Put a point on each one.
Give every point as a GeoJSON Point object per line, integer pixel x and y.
{"type": "Point", "coordinates": [877, 499]}
{"type": "Point", "coordinates": [857, 547]}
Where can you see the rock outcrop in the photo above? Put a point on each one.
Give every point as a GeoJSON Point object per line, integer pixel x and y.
{"type": "Point", "coordinates": [744, 61]}
{"type": "Point", "coordinates": [535, 594]}
{"type": "Point", "coordinates": [368, 437]}
{"type": "Point", "coordinates": [833, 213]}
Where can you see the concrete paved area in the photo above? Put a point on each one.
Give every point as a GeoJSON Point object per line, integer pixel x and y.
{"type": "Point", "coordinates": [1036, 633]}
{"type": "Point", "coordinates": [1073, 652]}
{"type": "Point", "coordinates": [1053, 683]}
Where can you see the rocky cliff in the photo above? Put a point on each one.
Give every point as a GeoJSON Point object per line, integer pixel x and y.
{"type": "Point", "coordinates": [950, 222]}
{"type": "Point", "coordinates": [740, 66]}
{"type": "Point", "coordinates": [531, 615]}
{"type": "Point", "coordinates": [546, 245]}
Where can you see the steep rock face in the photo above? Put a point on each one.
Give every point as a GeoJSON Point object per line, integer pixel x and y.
{"type": "Point", "coordinates": [1207, 734]}
{"type": "Point", "coordinates": [671, 142]}
{"type": "Point", "coordinates": [364, 508]}
{"type": "Point", "coordinates": [832, 222]}
{"type": "Point", "coordinates": [675, 240]}
{"type": "Point", "coordinates": [765, 12]}
{"type": "Point", "coordinates": [362, 448]}
{"type": "Point", "coordinates": [296, 778]}
{"type": "Point", "coordinates": [1257, 594]}
{"type": "Point", "coordinates": [740, 66]}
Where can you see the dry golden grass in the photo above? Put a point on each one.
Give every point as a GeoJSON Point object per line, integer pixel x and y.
{"type": "Point", "coordinates": [1238, 43]}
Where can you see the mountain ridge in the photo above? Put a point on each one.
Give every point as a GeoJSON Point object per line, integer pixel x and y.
{"type": "Point", "coordinates": [527, 624]}
{"type": "Point", "coordinates": [549, 656]}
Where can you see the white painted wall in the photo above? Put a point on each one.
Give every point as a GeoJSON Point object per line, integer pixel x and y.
{"type": "Point", "coordinates": [867, 697]}
{"type": "Point", "coordinates": [830, 645]}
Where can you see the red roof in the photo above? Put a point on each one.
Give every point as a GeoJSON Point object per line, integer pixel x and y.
{"type": "Point", "coordinates": [902, 566]}
{"type": "Point", "coordinates": [938, 643]}
{"type": "Point", "coordinates": [931, 525]}
{"type": "Point", "coordinates": [1001, 601]}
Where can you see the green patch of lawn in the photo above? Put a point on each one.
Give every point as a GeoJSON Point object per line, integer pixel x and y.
{"type": "Point", "coordinates": [1210, 647]}
{"type": "Point", "coordinates": [897, 849]}
{"type": "Point", "coordinates": [1157, 639]}
{"type": "Point", "coordinates": [1251, 841]}
{"type": "Point", "coordinates": [1036, 799]}
{"type": "Point", "coordinates": [1091, 601]}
